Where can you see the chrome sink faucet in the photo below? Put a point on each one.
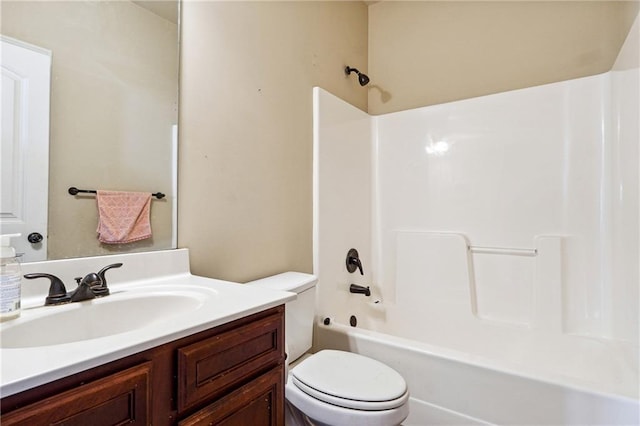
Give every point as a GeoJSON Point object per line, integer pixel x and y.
{"type": "Point", "coordinates": [91, 286]}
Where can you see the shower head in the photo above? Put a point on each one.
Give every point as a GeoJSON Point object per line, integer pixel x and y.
{"type": "Point", "coordinates": [363, 79]}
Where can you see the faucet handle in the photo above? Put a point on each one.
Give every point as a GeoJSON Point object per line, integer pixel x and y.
{"type": "Point", "coordinates": [102, 289]}
{"type": "Point", "coordinates": [353, 261]}
{"type": "Point", "coordinates": [57, 290]}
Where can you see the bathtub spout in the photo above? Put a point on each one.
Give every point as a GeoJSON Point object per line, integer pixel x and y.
{"type": "Point", "coordinates": [358, 289]}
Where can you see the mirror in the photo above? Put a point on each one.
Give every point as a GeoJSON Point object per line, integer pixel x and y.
{"type": "Point", "coordinates": [113, 112]}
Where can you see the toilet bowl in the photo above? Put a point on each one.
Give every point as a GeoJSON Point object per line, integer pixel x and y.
{"type": "Point", "coordinates": [331, 387]}
{"type": "Point", "coordinates": [342, 388]}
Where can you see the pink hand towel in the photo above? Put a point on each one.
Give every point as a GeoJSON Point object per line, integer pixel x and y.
{"type": "Point", "coordinates": [123, 216]}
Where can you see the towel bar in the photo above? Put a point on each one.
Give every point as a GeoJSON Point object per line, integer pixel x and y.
{"type": "Point", "coordinates": [503, 250]}
{"type": "Point", "coordinates": [75, 191]}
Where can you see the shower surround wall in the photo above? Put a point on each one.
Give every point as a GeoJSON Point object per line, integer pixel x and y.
{"type": "Point", "coordinates": [504, 226]}
{"type": "Point", "coordinates": [532, 169]}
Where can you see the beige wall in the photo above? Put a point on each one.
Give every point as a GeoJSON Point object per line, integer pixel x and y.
{"type": "Point", "coordinates": [113, 101]}
{"type": "Point", "coordinates": [246, 137]}
{"type": "Point", "coordinates": [247, 70]}
{"type": "Point", "coordinates": [429, 52]}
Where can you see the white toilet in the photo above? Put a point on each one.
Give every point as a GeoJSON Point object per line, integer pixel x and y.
{"type": "Point", "coordinates": [332, 388]}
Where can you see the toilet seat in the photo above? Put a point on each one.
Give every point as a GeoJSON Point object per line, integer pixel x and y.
{"type": "Point", "coordinates": [351, 381]}
{"type": "Point", "coordinates": [324, 414]}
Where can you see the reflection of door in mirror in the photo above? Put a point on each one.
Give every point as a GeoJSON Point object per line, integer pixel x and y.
{"type": "Point", "coordinates": [25, 145]}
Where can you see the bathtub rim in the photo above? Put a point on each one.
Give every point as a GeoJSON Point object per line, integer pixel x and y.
{"type": "Point", "coordinates": [453, 355]}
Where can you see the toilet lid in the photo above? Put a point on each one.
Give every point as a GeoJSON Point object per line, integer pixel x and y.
{"type": "Point", "coordinates": [350, 380]}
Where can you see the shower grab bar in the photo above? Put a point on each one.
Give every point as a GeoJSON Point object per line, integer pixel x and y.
{"type": "Point", "coordinates": [75, 191]}
{"type": "Point", "coordinates": [504, 251]}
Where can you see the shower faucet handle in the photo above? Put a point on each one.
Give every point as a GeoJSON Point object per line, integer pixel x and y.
{"type": "Point", "coordinates": [353, 261]}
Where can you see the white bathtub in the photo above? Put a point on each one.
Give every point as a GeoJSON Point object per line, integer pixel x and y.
{"type": "Point", "coordinates": [454, 387]}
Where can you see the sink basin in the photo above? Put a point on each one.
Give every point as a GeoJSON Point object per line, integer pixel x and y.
{"type": "Point", "coordinates": [96, 318]}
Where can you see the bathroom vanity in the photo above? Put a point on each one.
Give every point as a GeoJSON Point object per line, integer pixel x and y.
{"type": "Point", "coordinates": [217, 361]}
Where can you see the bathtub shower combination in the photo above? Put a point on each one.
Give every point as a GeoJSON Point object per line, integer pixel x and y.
{"type": "Point", "coordinates": [499, 238]}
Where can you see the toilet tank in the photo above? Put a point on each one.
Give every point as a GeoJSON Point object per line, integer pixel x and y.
{"type": "Point", "coordinates": [299, 313]}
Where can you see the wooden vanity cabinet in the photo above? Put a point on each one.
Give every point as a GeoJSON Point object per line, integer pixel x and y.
{"type": "Point", "coordinates": [251, 405]}
{"type": "Point", "coordinates": [232, 374]}
{"type": "Point", "coordinates": [120, 398]}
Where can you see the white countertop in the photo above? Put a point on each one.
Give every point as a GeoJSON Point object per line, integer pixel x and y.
{"type": "Point", "coordinates": [218, 302]}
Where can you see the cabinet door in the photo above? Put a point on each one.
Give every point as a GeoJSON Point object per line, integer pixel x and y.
{"type": "Point", "coordinates": [258, 403]}
{"type": "Point", "coordinates": [211, 367]}
{"type": "Point", "coordinates": [117, 399]}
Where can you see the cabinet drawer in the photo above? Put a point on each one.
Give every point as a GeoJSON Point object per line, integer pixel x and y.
{"type": "Point", "coordinates": [258, 403]}
{"type": "Point", "coordinates": [117, 399]}
{"type": "Point", "coordinates": [210, 367]}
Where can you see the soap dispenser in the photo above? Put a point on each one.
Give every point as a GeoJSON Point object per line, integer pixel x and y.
{"type": "Point", "coordinates": [10, 279]}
